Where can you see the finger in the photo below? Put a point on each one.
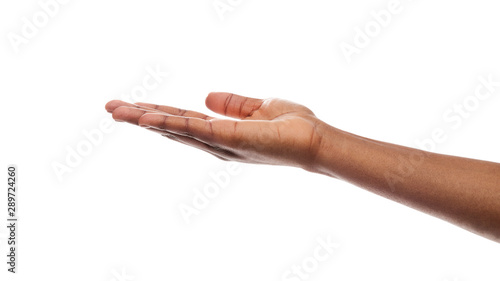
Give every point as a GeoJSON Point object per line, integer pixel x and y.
{"type": "Point", "coordinates": [232, 105]}
{"type": "Point", "coordinates": [186, 126]}
{"type": "Point", "coordinates": [129, 114]}
{"type": "Point", "coordinates": [114, 104]}
{"type": "Point", "coordinates": [174, 110]}
{"type": "Point", "coordinates": [215, 151]}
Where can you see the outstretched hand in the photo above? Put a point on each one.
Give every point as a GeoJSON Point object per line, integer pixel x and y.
{"type": "Point", "coordinates": [269, 131]}
{"type": "Point", "coordinates": [279, 132]}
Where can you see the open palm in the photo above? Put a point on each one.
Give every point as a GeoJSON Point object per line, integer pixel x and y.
{"type": "Point", "coordinates": [269, 131]}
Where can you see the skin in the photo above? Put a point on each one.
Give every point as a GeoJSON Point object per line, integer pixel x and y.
{"type": "Point", "coordinates": [465, 192]}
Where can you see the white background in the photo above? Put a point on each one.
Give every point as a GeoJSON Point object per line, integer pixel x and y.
{"type": "Point", "coordinates": [116, 215]}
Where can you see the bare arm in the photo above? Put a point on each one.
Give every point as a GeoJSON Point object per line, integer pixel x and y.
{"type": "Point", "coordinates": [463, 191]}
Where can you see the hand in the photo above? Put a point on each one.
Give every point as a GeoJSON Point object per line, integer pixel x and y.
{"type": "Point", "coordinates": [270, 131]}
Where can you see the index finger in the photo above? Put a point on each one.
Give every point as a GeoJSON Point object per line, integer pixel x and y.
{"type": "Point", "coordinates": [174, 110]}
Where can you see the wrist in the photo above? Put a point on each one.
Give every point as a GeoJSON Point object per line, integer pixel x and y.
{"type": "Point", "coordinates": [330, 151]}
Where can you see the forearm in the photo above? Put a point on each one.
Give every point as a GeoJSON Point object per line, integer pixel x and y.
{"type": "Point", "coordinates": [463, 191]}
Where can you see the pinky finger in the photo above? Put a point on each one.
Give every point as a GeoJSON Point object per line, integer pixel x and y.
{"type": "Point", "coordinates": [215, 151]}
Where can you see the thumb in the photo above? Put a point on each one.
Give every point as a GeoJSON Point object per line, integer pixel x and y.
{"type": "Point", "coordinates": [232, 105]}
